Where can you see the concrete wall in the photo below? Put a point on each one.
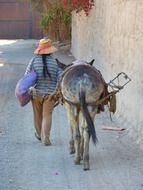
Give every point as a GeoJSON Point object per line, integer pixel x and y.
{"type": "Point", "coordinates": [113, 35]}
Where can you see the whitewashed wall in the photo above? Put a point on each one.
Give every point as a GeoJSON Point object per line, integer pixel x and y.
{"type": "Point", "coordinates": [113, 35]}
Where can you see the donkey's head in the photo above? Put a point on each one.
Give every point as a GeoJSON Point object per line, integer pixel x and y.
{"type": "Point", "coordinates": [77, 62]}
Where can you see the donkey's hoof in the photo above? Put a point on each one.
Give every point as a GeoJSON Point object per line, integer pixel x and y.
{"type": "Point", "coordinates": [77, 161]}
{"type": "Point", "coordinates": [86, 166]}
{"type": "Point", "coordinates": [86, 169]}
{"type": "Point", "coordinates": [72, 150]}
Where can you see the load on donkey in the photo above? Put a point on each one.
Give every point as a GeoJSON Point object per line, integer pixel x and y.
{"type": "Point", "coordinates": [83, 92]}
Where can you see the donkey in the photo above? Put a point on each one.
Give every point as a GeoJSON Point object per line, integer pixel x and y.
{"type": "Point", "coordinates": [81, 86]}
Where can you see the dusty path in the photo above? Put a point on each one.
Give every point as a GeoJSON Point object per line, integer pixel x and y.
{"type": "Point", "coordinates": [25, 164]}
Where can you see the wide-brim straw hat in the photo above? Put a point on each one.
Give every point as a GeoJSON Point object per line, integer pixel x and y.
{"type": "Point", "coordinates": [45, 46]}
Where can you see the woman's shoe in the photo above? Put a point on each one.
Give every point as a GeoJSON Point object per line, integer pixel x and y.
{"type": "Point", "coordinates": [37, 136]}
{"type": "Point", "coordinates": [47, 143]}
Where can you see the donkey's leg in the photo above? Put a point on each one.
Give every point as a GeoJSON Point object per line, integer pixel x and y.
{"type": "Point", "coordinates": [86, 149]}
{"type": "Point", "coordinates": [76, 132]}
{"type": "Point", "coordinates": [86, 165]}
{"type": "Point", "coordinates": [74, 123]}
{"type": "Point", "coordinates": [71, 142]}
{"type": "Point", "coordinates": [83, 124]}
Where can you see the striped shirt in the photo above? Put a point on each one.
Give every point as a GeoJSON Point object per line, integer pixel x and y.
{"type": "Point", "coordinates": [44, 86]}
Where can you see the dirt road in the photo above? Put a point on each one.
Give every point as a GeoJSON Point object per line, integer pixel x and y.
{"type": "Point", "coordinates": [26, 164]}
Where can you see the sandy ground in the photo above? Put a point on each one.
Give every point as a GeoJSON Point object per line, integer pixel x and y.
{"type": "Point", "coordinates": [25, 164]}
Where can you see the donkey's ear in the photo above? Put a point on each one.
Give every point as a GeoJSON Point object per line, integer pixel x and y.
{"type": "Point", "coordinates": [91, 63]}
{"type": "Point", "coordinates": [61, 65]}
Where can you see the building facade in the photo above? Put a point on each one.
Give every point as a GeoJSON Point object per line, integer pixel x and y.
{"type": "Point", "coordinates": [18, 20]}
{"type": "Point", "coordinates": [112, 34]}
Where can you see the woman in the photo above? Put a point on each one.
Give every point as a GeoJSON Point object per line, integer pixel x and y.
{"type": "Point", "coordinates": [48, 74]}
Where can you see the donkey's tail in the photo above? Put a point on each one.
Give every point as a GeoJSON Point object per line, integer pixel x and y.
{"type": "Point", "coordinates": [87, 116]}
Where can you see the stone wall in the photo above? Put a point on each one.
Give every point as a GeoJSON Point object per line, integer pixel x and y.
{"type": "Point", "coordinates": [113, 36]}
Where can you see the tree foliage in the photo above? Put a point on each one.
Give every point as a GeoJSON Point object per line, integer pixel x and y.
{"type": "Point", "coordinates": [55, 19]}
{"type": "Point", "coordinates": [56, 15]}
